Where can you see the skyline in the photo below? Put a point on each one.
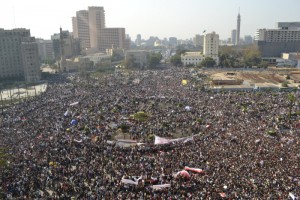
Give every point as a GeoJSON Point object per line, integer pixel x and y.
{"type": "Point", "coordinates": [164, 19]}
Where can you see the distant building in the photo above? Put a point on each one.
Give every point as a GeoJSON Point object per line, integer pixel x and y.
{"type": "Point", "coordinates": [233, 36]}
{"type": "Point", "coordinates": [138, 40]}
{"type": "Point", "coordinates": [81, 28]}
{"type": "Point", "coordinates": [46, 52]}
{"type": "Point", "coordinates": [173, 41]}
{"type": "Point", "coordinates": [89, 27]}
{"type": "Point", "coordinates": [71, 46]}
{"type": "Point", "coordinates": [211, 46]}
{"type": "Point", "coordinates": [192, 58]}
{"type": "Point", "coordinates": [273, 42]}
{"type": "Point", "coordinates": [248, 39]}
{"type": "Point", "coordinates": [198, 40]}
{"type": "Point", "coordinates": [112, 37]}
{"type": "Point", "coordinates": [19, 57]}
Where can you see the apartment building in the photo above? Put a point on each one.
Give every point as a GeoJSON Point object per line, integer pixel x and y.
{"type": "Point", "coordinates": [19, 55]}
{"type": "Point", "coordinates": [45, 49]}
{"type": "Point", "coordinates": [112, 37]}
{"type": "Point", "coordinates": [211, 46]}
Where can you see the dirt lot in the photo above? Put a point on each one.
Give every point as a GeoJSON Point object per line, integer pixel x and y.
{"type": "Point", "coordinates": [270, 76]}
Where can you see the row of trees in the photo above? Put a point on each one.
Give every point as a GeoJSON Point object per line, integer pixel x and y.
{"type": "Point", "coordinates": [176, 59]}
{"type": "Point", "coordinates": [153, 60]}
{"type": "Point", "coordinates": [230, 56]}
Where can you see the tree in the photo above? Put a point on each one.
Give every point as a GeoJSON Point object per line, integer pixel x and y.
{"type": "Point", "coordinates": [176, 60]}
{"type": "Point", "coordinates": [130, 62]}
{"type": "Point", "coordinates": [252, 56]}
{"type": "Point", "coordinates": [208, 62]}
{"type": "Point", "coordinates": [154, 59]}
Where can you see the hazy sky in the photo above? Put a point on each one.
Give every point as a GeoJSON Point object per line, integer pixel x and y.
{"type": "Point", "coordinates": [163, 18]}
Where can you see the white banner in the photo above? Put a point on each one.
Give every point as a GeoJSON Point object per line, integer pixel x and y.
{"type": "Point", "coordinates": [161, 140]}
{"type": "Point", "coordinates": [158, 187]}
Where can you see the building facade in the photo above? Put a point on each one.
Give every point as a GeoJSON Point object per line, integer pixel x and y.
{"type": "Point", "coordinates": [46, 52]}
{"type": "Point", "coordinates": [138, 40]}
{"type": "Point", "coordinates": [198, 40]}
{"type": "Point", "coordinates": [273, 42]}
{"type": "Point", "coordinates": [89, 27]}
{"type": "Point", "coordinates": [191, 58]}
{"type": "Point", "coordinates": [96, 23]}
{"type": "Point", "coordinates": [19, 55]}
{"type": "Point", "coordinates": [82, 24]}
{"type": "Point", "coordinates": [71, 46]}
{"type": "Point", "coordinates": [233, 36]}
{"type": "Point", "coordinates": [112, 38]}
{"type": "Point", "coordinates": [211, 46]}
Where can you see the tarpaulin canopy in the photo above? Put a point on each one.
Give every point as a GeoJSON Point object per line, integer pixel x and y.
{"type": "Point", "coordinates": [74, 122]}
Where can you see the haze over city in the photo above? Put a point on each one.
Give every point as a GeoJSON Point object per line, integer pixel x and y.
{"type": "Point", "coordinates": [178, 18]}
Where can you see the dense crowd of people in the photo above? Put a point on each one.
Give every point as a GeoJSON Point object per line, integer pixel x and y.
{"type": "Point", "coordinates": [59, 143]}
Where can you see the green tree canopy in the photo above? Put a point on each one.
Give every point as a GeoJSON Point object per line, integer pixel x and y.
{"type": "Point", "coordinates": [176, 60]}
{"type": "Point", "coordinates": [208, 62]}
{"type": "Point", "coordinates": [252, 56]}
{"type": "Point", "coordinates": [154, 59]}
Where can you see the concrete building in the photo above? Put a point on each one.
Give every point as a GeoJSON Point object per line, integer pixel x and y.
{"type": "Point", "coordinates": [198, 40]}
{"type": "Point", "coordinates": [112, 37]}
{"type": "Point", "coordinates": [238, 29]}
{"type": "Point", "coordinates": [173, 41]}
{"type": "Point", "coordinates": [96, 23]}
{"type": "Point", "coordinates": [45, 47]}
{"type": "Point", "coordinates": [19, 55]}
{"type": "Point", "coordinates": [211, 46]}
{"type": "Point", "coordinates": [71, 46]}
{"type": "Point", "coordinates": [273, 42]}
{"type": "Point", "coordinates": [138, 40]}
{"type": "Point", "coordinates": [89, 26]}
{"type": "Point", "coordinates": [98, 57]}
{"type": "Point", "coordinates": [192, 58]}
{"type": "Point", "coordinates": [233, 36]}
{"type": "Point", "coordinates": [248, 39]}
{"type": "Point", "coordinates": [30, 60]}
{"type": "Point", "coordinates": [81, 28]}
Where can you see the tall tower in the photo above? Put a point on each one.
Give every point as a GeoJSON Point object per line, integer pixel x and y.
{"type": "Point", "coordinates": [238, 29]}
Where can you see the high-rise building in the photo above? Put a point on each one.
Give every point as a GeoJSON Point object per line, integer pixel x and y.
{"type": "Point", "coordinates": [233, 37]}
{"type": "Point", "coordinates": [83, 30]}
{"type": "Point", "coordinates": [211, 46]}
{"type": "Point", "coordinates": [112, 38]}
{"type": "Point", "coordinates": [89, 27]}
{"type": "Point", "coordinates": [138, 40]}
{"type": "Point", "coordinates": [238, 29]}
{"type": "Point", "coordinates": [96, 23]}
{"type": "Point", "coordinates": [19, 55]}
{"type": "Point", "coordinates": [274, 42]}
{"type": "Point", "coordinates": [46, 51]}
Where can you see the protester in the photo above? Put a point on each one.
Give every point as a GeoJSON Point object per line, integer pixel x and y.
{"type": "Point", "coordinates": [59, 143]}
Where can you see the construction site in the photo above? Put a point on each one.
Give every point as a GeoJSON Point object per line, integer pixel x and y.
{"type": "Point", "coordinates": [249, 79]}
